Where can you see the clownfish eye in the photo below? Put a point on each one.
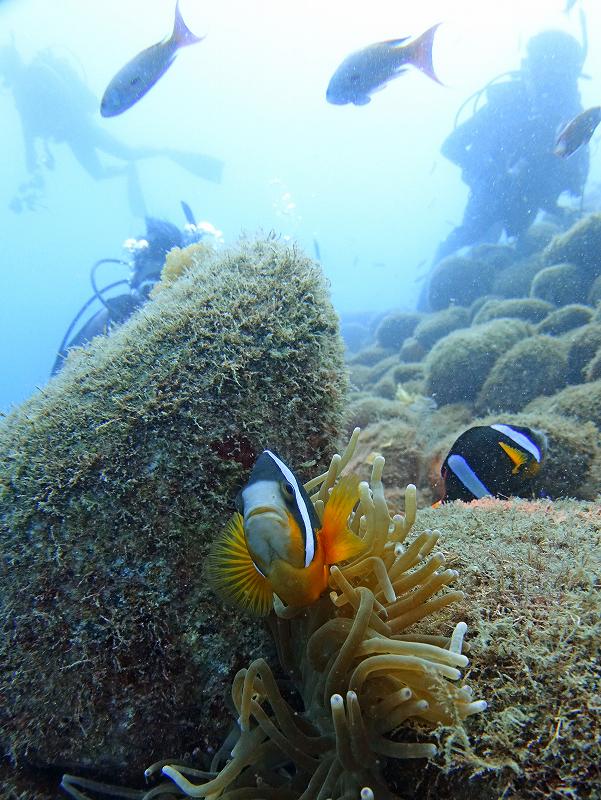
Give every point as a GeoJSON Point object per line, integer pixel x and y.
{"type": "Point", "coordinates": [287, 490]}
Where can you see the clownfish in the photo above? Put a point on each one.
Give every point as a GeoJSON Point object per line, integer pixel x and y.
{"type": "Point", "coordinates": [275, 543]}
{"type": "Point", "coordinates": [492, 460]}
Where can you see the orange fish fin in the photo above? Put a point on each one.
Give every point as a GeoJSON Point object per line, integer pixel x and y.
{"type": "Point", "coordinates": [338, 542]}
{"type": "Point", "coordinates": [231, 572]}
{"type": "Point", "coordinates": [517, 457]}
{"type": "Point", "coordinates": [419, 53]}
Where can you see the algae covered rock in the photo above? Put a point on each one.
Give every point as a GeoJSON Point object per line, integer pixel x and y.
{"type": "Point", "coordinates": [532, 367]}
{"type": "Point", "coordinates": [396, 327]}
{"type": "Point", "coordinates": [583, 344]}
{"type": "Point", "coordinates": [114, 480]}
{"type": "Point", "coordinates": [561, 284]}
{"type": "Point", "coordinates": [580, 245]}
{"type": "Point", "coordinates": [529, 309]}
{"type": "Point", "coordinates": [458, 280]}
{"type": "Point", "coordinates": [565, 319]}
{"type": "Point", "coordinates": [516, 279]}
{"type": "Point", "coordinates": [594, 292]}
{"type": "Point", "coordinates": [369, 356]}
{"type": "Point", "coordinates": [593, 371]}
{"type": "Point", "coordinates": [532, 608]}
{"type": "Point", "coordinates": [412, 351]}
{"type": "Point", "coordinates": [581, 403]}
{"type": "Point", "coordinates": [458, 365]}
{"type": "Point", "coordinates": [438, 325]}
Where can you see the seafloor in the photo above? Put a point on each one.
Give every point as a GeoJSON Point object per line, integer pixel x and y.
{"type": "Point", "coordinates": [115, 478]}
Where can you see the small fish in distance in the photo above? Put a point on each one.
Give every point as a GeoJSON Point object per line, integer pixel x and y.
{"type": "Point", "coordinates": [140, 74]}
{"type": "Point", "coordinates": [369, 70]}
{"type": "Point", "coordinates": [577, 132]}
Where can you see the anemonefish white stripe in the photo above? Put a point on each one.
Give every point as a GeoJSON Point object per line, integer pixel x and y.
{"type": "Point", "coordinates": [520, 439]}
{"type": "Point", "coordinates": [304, 512]}
{"type": "Point", "coordinates": [467, 476]}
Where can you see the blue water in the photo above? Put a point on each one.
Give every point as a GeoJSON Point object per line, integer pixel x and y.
{"type": "Point", "coordinates": [367, 183]}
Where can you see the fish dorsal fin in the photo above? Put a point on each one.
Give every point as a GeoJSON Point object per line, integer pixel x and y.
{"type": "Point", "coordinates": [338, 542]}
{"type": "Point", "coordinates": [232, 573]}
{"type": "Point", "coordinates": [395, 42]}
{"type": "Point", "coordinates": [517, 457]}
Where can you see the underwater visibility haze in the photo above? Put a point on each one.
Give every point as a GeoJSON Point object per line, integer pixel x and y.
{"type": "Point", "coordinates": [365, 187]}
{"type": "Point", "coordinates": [300, 399]}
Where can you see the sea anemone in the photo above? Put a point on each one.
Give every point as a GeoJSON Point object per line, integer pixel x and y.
{"type": "Point", "coordinates": [351, 676]}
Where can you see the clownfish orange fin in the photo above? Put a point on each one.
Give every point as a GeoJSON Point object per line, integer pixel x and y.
{"type": "Point", "coordinates": [517, 456]}
{"type": "Point", "coordinates": [231, 572]}
{"type": "Point", "coordinates": [338, 542]}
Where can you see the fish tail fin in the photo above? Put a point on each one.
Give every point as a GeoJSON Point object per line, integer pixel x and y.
{"type": "Point", "coordinates": [419, 53]}
{"type": "Point", "coordinates": [230, 571]}
{"type": "Point", "coordinates": [182, 35]}
{"type": "Point", "coordinates": [339, 543]}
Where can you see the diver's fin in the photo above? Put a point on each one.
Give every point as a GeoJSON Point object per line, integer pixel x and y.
{"type": "Point", "coordinates": [206, 167]}
{"type": "Point", "coordinates": [231, 572]}
{"type": "Point", "coordinates": [517, 456]}
{"type": "Point", "coordinates": [419, 53]}
{"type": "Point", "coordinates": [181, 35]}
{"type": "Point", "coordinates": [188, 213]}
{"type": "Point", "coordinates": [137, 206]}
{"type": "Point", "coordinates": [338, 542]}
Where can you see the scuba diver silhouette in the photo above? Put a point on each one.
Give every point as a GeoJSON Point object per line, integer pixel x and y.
{"type": "Point", "coordinates": [148, 258]}
{"type": "Point", "coordinates": [505, 149]}
{"type": "Point", "coordinates": [55, 105]}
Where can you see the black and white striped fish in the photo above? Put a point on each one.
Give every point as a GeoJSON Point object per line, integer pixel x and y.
{"type": "Point", "coordinates": [492, 460]}
{"type": "Point", "coordinates": [275, 542]}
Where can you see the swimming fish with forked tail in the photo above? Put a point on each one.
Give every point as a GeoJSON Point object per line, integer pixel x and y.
{"type": "Point", "coordinates": [369, 70]}
{"type": "Point", "coordinates": [140, 74]}
{"type": "Point", "coordinates": [577, 132]}
{"type": "Point", "coordinates": [492, 460]}
{"type": "Point", "coordinates": [275, 543]}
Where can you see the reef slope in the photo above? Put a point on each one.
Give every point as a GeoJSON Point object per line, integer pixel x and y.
{"type": "Point", "coordinates": [114, 479]}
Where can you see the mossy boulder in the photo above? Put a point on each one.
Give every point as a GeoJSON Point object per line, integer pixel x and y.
{"type": "Point", "coordinates": [458, 280]}
{"type": "Point", "coordinates": [536, 237]}
{"type": "Point", "coordinates": [565, 319]}
{"type": "Point", "coordinates": [532, 367]}
{"type": "Point", "coordinates": [364, 410]}
{"type": "Point", "coordinates": [412, 350]}
{"type": "Point", "coordinates": [395, 328]}
{"type": "Point", "coordinates": [594, 293]}
{"type": "Point", "coordinates": [439, 324]}
{"type": "Point", "coordinates": [355, 335]}
{"type": "Point", "coordinates": [528, 570]}
{"type": "Point", "coordinates": [580, 245]}
{"type": "Point", "coordinates": [583, 344]}
{"type": "Point", "coordinates": [529, 309]}
{"type": "Point", "coordinates": [408, 372]}
{"type": "Point", "coordinates": [386, 385]}
{"type": "Point", "coordinates": [115, 478]}
{"type": "Point", "coordinates": [581, 403]}
{"type": "Point", "coordinates": [369, 356]}
{"type": "Point", "coordinates": [516, 279]}
{"type": "Point", "coordinates": [496, 256]}
{"type": "Point", "coordinates": [561, 284]}
{"type": "Point", "coordinates": [593, 371]}
{"type": "Point", "coordinates": [458, 365]}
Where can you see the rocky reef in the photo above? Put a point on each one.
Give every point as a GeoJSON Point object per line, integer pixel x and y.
{"type": "Point", "coordinates": [113, 480]}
